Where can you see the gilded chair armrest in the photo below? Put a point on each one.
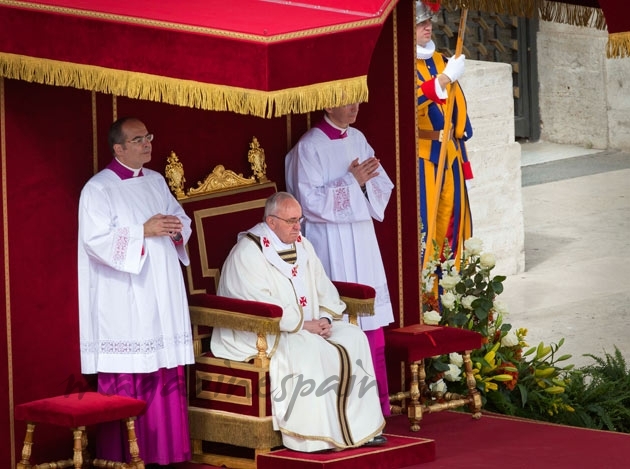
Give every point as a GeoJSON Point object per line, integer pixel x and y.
{"type": "Point", "coordinates": [232, 313]}
{"type": "Point", "coordinates": [358, 298]}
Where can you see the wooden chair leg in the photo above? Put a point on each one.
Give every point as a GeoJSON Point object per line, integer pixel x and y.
{"type": "Point", "coordinates": [474, 396]}
{"type": "Point", "coordinates": [25, 462]}
{"type": "Point", "coordinates": [78, 447]}
{"type": "Point", "coordinates": [136, 462]}
{"type": "Point", "coordinates": [414, 409]}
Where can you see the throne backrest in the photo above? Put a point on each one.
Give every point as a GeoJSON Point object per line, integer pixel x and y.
{"type": "Point", "coordinates": [217, 218]}
{"type": "Point", "coordinates": [221, 206]}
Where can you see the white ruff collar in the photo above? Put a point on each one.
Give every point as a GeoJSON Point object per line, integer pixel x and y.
{"type": "Point", "coordinates": [269, 243]}
{"type": "Point", "coordinates": [425, 52]}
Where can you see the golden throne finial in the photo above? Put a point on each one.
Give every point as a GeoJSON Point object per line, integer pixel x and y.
{"type": "Point", "coordinates": [256, 157]}
{"type": "Point", "coordinates": [174, 172]}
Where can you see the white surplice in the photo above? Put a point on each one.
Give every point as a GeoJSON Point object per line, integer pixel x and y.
{"type": "Point", "coordinates": [339, 216]}
{"type": "Point", "coordinates": [133, 311]}
{"type": "Point", "coordinates": [306, 371]}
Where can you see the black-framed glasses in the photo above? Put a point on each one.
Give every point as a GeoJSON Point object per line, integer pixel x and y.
{"type": "Point", "coordinates": [140, 140]}
{"type": "Point", "coordinates": [290, 221]}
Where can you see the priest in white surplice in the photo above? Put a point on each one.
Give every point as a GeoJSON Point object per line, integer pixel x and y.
{"type": "Point", "coordinates": [133, 313]}
{"type": "Point", "coordinates": [323, 394]}
{"type": "Point", "coordinates": [342, 188]}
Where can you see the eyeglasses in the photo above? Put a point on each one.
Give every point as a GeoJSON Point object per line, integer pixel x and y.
{"type": "Point", "coordinates": [290, 221]}
{"type": "Point", "coordinates": [140, 140]}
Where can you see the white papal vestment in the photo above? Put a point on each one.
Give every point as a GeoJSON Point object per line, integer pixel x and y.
{"type": "Point", "coordinates": [306, 370]}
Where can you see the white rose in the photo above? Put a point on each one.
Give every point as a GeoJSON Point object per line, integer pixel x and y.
{"type": "Point", "coordinates": [473, 246]}
{"type": "Point", "coordinates": [438, 386]}
{"type": "Point", "coordinates": [449, 282]}
{"type": "Point", "coordinates": [468, 300]}
{"type": "Point", "coordinates": [456, 359]}
{"type": "Point", "coordinates": [487, 260]}
{"type": "Point", "coordinates": [448, 265]}
{"type": "Point", "coordinates": [500, 307]}
{"type": "Point", "coordinates": [448, 300]}
{"type": "Point", "coordinates": [453, 373]}
{"type": "Point", "coordinates": [510, 339]}
{"type": "Point", "coordinates": [432, 318]}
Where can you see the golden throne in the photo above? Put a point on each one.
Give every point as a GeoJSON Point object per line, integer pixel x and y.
{"type": "Point", "coordinates": [229, 402]}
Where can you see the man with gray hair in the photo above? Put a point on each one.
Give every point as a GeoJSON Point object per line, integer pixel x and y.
{"type": "Point", "coordinates": [323, 394]}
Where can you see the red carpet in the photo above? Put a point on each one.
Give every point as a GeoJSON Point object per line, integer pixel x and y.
{"type": "Point", "coordinates": [398, 452]}
{"type": "Point", "coordinates": [499, 441]}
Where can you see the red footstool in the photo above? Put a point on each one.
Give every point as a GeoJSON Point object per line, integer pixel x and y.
{"type": "Point", "coordinates": [78, 411]}
{"type": "Point", "coordinates": [412, 344]}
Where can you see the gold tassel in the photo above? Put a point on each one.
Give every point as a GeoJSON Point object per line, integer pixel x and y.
{"type": "Point", "coordinates": [185, 93]}
{"type": "Point", "coordinates": [524, 8]}
{"type": "Point", "coordinates": [359, 307]}
{"type": "Point", "coordinates": [558, 12]}
{"type": "Point", "coordinates": [236, 429]}
{"type": "Point", "coordinates": [575, 15]}
{"type": "Point", "coordinates": [201, 316]}
{"type": "Point", "coordinates": [618, 45]}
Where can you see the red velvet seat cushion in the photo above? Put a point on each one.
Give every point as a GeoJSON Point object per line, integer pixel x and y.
{"type": "Point", "coordinates": [355, 290]}
{"type": "Point", "coordinates": [413, 343]}
{"type": "Point", "coordinates": [255, 308]}
{"type": "Point", "coordinates": [79, 409]}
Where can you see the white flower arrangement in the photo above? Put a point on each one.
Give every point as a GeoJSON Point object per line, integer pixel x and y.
{"type": "Point", "coordinates": [432, 318]}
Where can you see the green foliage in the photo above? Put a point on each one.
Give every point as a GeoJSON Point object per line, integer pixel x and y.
{"type": "Point", "coordinates": [600, 395]}
{"type": "Point", "coordinates": [513, 378]}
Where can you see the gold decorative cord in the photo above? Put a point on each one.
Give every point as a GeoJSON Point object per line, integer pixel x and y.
{"type": "Point", "coordinates": [261, 38]}
{"type": "Point", "coordinates": [7, 283]}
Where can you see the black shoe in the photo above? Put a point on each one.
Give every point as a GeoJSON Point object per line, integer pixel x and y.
{"type": "Point", "coordinates": [379, 440]}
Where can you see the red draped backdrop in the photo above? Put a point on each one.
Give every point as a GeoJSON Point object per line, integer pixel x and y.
{"type": "Point", "coordinates": [53, 138]}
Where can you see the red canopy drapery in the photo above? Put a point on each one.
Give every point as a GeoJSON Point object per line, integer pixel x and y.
{"type": "Point", "coordinates": [260, 57]}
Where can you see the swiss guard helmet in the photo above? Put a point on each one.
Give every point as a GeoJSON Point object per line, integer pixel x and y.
{"type": "Point", "coordinates": [426, 10]}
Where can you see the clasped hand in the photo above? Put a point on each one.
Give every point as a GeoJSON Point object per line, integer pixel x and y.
{"type": "Point", "coordinates": [365, 170]}
{"type": "Point", "coordinates": [163, 225]}
{"type": "Point", "coordinates": [321, 327]}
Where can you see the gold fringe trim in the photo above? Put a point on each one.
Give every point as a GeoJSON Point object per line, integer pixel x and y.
{"type": "Point", "coordinates": [559, 12]}
{"type": "Point", "coordinates": [618, 45]}
{"type": "Point", "coordinates": [525, 8]}
{"type": "Point", "coordinates": [234, 429]}
{"type": "Point", "coordinates": [359, 307]}
{"type": "Point", "coordinates": [200, 316]}
{"type": "Point", "coordinates": [186, 93]}
{"type": "Point", "coordinates": [575, 15]}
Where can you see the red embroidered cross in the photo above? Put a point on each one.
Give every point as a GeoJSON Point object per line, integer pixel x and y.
{"type": "Point", "coordinates": [303, 301]}
{"type": "Point", "coordinates": [294, 271]}
{"type": "Point", "coordinates": [266, 242]}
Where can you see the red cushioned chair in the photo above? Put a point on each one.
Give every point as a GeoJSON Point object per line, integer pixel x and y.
{"type": "Point", "coordinates": [77, 411]}
{"type": "Point", "coordinates": [229, 402]}
{"type": "Point", "coordinates": [412, 345]}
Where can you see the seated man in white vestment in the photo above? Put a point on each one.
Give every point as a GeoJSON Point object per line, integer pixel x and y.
{"type": "Point", "coordinates": [323, 389]}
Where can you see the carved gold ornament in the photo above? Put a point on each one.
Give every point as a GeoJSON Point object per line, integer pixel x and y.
{"type": "Point", "coordinates": [220, 178]}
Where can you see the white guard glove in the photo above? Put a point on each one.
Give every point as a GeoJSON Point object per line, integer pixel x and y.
{"type": "Point", "coordinates": [455, 67]}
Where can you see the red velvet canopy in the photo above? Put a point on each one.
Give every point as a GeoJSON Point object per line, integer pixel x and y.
{"type": "Point", "coordinates": [260, 57]}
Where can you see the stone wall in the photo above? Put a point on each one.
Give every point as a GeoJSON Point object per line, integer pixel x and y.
{"type": "Point", "coordinates": [584, 97]}
{"type": "Point", "coordinates": [495, 191]}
